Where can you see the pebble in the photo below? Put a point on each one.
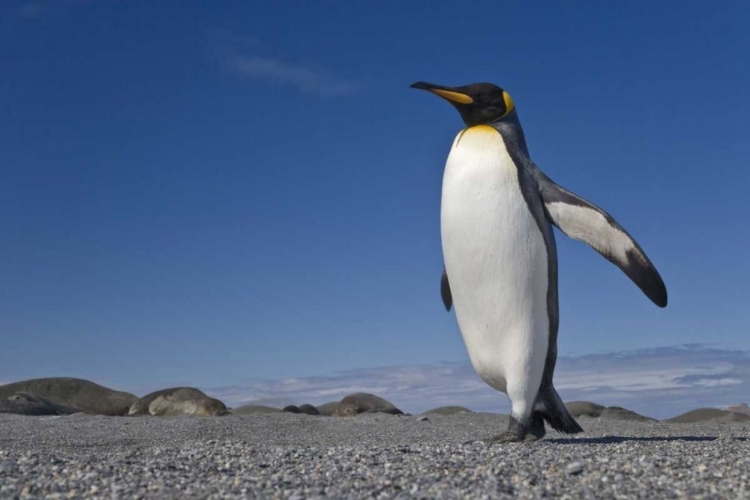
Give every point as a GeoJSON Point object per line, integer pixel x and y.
{"type": "Point", "coordinates": [290, 456]}
{"type": "Point", "coordinates": [574, 468]}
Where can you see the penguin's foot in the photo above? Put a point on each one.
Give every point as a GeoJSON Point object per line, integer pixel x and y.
{"type": "Point", "coordinates": [518, 432]}
{"type": "Point", "coordinates": [536, 429]}
{"type": "Point", "coordinates": [505, 437]}
{"type": "Point", "coordinates": [532, 437]}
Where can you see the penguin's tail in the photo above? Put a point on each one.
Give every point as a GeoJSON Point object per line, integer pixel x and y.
{"type": "Point", "coordinates": [552, 409]}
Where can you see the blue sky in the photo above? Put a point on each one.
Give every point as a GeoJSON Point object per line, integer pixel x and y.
{"type": "Point", "coordinates": [215, 195]}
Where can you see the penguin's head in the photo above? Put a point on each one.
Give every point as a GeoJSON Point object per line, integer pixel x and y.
{"type": "Point", "coordinates": [478, 103]}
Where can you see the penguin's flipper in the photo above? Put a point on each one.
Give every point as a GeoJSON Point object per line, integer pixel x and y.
{"type": "Point", "coordinates": [586, 222]}
{"type": "Point", "coordinates": [445, 291]}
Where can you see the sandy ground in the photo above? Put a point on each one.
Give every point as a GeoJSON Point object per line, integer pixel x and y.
{"type": "Point", "coordinates": [378, 456]}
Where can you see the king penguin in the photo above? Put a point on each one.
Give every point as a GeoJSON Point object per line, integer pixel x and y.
{"type": "Point", "coordinates": [500, 275]}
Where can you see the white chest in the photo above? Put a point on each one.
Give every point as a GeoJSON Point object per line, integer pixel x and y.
{"type": "Point", "coordinates": [495, 258]}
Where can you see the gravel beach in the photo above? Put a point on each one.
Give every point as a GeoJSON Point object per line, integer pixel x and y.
{"type": "Point", "coordinates": [376, 455]}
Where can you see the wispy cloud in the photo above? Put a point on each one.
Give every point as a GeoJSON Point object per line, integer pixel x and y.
{"type": "Point", "coordinates": [33, 10]}
{"type": "Point", "coordinates": [306, 79]}
{"type": "Point", "coordinates": [249, 58]}
{"type": "Point", "coordinates": [30, 10]}
{"type": "Point", "coordinates": [659, 382]}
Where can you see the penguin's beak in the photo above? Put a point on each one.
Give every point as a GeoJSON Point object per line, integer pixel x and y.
{"type": "Point", "coordinates": [449, 93]}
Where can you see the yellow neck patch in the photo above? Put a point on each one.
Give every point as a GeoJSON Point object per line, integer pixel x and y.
{"type": "Point", "coordinates": [481, 128]}
{"type": "Point", "coordinates": [474, 129]}
{"type": "Point", "coordinates": [509, 104]}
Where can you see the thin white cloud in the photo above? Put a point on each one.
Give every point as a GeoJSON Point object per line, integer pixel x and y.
{"type": "Point", "coordinates": [30, 10]}
{"type": "Point", "coordinates": [657, 382]}
{"type": "Point", "coordinates": [304, 78]}
{"type": "Point", "coordinates": [33, 10]}
{"type": "Point", "coordinates": [250, 58]}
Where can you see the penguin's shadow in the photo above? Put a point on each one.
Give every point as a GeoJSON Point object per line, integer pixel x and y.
{"type": "Point", "coordinates": [623, 439]}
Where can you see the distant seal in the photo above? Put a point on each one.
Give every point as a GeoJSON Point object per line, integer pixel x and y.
{"type": "Point", "coordinates": [184, 402]}
{"type": "Point", "coordinates": [308, 409]}
{"type": "Point", "coordinates": [328, 409]}
{"type": "Point", "coordinates": [251, 409]}
{"type": "Point", "coordinates": [618, 413]}
{"type": "Point", "coordinates": [23, 403]}
{"type": "Point", "coordinates": [362, 402]}
{"type": "Point", "coordinates": [447, 410]}
{"type": "Point", "coordinates": [740, 408]}
{"type": "Point", "coordinates": [584, 408]}
{"type": "Point", "coordinates": [141, 407]}
{"type": "Point", "coordinates": [291, 409]}
{"type": "Point", "coordinates": [706, 414]}
{"type": "Point", "coordinates": [75, 392]}
{"type": "Point", "coordinates": [733, 416]}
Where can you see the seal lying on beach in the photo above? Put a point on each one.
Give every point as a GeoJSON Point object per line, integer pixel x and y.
{"type": "Point", "coordinates": [328, 409]}
{"type": "Point", "coordinates": [619, 413]}
{"type": "Point", "coordinates": [252, 409]}
{"type": "Point", "coordinates": [308, 409]}
{"type": "Point", "coordinates": [361, 402]}
{"type": "Point", "coordinates": [708, 414]}
{"type": "Point", "coordinates": [75, 392]}
{"type": "Point", "coordinates": [740, 408]}
{"type": "Point", "coordinates": [23, 403]}
{"type": "Point", "coordinates": [584, 408]}
{"type": "Point", "coordinates": [178, 401]}
{"type": "Point", "coordinates": [447, 410]}
{"type": "Point", "coordinates": [184, 403]}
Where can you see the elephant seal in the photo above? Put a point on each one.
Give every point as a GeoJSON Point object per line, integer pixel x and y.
{"type": "Point", "coordinates": [733, 416]}
{"type": "Point", "coordinates": [740, 408]}
{"type": "Point", "coordinates": [23, 403]}
{"type": "Point", "coordinates": [584, 408]}
{"type": "Point", "coordinates": [328, 409]}
{"type": "Point", "coordinates": [618, 413]}
{"type": "Point", "coordinates": [448, 410]}
{"type": "Point", "coordinates": [252, 409]}
{"type": "Point", "coordinates": [706, 414]}
{"type": "Point", "coordinates": [184, 402]}
{"type": "Point", "coordinates": [291, 409]}
{"type": "Point", "coordinates": [75, 392]}
{"type": "Point", "coordinates": [141, 407]}
{"type": "Point", "coordinates": [362, 402]}
{"type": "Point", "coordinates": [308, 409]}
